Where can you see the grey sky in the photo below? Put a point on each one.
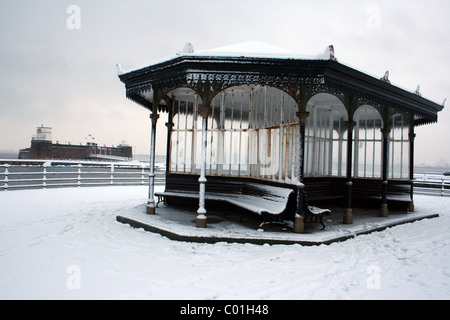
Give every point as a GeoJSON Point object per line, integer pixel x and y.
{"type": "Point", "coordinates": [66, 78]}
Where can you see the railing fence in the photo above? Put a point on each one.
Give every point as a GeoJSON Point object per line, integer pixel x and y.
{"type": "Point", "coordinates": [430, 184]}
{"type": "Point", "coordinates": [15, 177]}
{"type": "Point", "coordinates": [45, 176]}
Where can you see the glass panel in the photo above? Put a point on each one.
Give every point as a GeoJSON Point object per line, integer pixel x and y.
{"type": "Point", "coordinates": [180, 149]}
{"type": "Point", "coordinates": [275, 153]}
{"type": "Point", "coordinates": [197, 150]}
{"type": "Point", "coordinates": [325, 137]}
{"type": "Point", "coordinates": [173, 152]}
{"type": "Point", "coordinates": [214, 117]}
{"type": "Point", "coordinates": [244, 154]}
{"type": "Point", "coordinates": [211, 152]}
{"type": "Point", "coordinates": [289, 152]}
{"type": "Point", "coordinates": [252, 152]}
{"type": "Point", "coordinates": [184, 110]}
{"type": "Point", "coordinates": [252, 131]}
{"type": "Point", "coordinates": [367, 148]}
{"type": "Point", "coordinates": [398, 148]}
{"type": "Point", "coordinates": [264, 153]}
{"type": "Point", "coordinates": [245, 110]}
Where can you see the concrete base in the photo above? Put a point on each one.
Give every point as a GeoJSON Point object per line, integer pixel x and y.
{"type": "Point", "coordinates": [178, 224]}
{"type": "Point", "coordinates": [384, 210]}
{"type": "Point", "coordinates": [411, 206]}
{"type": "Point", "coordinates": [299, 225]}
{"type": "Point", "coordinates": [200, 222]}
{"type": "Point", "coordinates": [348, 216]}
{"type": "Point", "coordinates": [151, 209]}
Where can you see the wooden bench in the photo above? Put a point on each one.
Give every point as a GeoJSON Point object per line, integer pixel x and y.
{"type": "Point", "coordinates": [314, 214]}
{"type": "Point", "coordinates": [367, 193]}
{"type": "Point", "coordinates": [255, 197]}
{"type": "Point", "coordinates": [268, 201]}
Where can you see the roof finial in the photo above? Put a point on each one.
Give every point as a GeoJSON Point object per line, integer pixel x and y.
{"type": "Point", "coordinates": [443, 102]}
{"type": "Point", "coordinates": [119, 69]}
{"type": "Point", "coordinates": [385, 78]}
{"type": "Point", "coordinates": [331, 50]}
{"type": "Point", "coordinates": [417, 90]}
{"type": "Point", "coordinates": [188, 48]}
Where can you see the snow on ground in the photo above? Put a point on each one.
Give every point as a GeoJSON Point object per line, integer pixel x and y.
{"type": "Point", "coordinates": [67, 244]}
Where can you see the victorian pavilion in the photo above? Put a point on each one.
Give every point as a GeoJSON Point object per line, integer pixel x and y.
{"type": "Point", "coordinates": [254, 113]}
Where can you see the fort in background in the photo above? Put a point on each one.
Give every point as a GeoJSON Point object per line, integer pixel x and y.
{"type": "Point", "coordinates": [42, 147]}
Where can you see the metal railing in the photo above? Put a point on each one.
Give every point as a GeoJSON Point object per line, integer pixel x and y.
{"type": "Point", "coordinates": [430, 184]}
{"type": "Point", "coordinates": [16, 177]}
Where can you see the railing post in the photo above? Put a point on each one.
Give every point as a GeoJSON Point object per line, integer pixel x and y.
{"type": "Point", "coordinates": [79, 175]}
{"type": "Point", "coordinates": [442, 188]}
{"type": "Point", "coordinates": [44, 178]}
{"type": "Point", "coordinates": [112, 174]}
{"type": "Point", "coordinates": [6, 177]}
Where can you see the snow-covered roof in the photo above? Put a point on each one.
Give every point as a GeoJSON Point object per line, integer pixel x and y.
{"type": "Point", "coordinates": [247, 49]}
{"type": "Point", "coordinates": [255, 49]}
{"type": "Point", "coordinates": [264, 63]}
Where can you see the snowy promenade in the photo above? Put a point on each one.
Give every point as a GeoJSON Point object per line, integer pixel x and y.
{"type": "Point", "coordinates": [67, 244]}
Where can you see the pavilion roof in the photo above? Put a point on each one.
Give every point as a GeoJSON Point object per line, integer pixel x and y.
{"type": "Point", "coordinates": [257, 61]}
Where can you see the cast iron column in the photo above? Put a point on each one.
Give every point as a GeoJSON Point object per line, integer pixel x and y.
{"type": "Point", "coordinates": [169, 126]}
{"type": "Point", "coordinates": [384, 182]}
{"type": "Point", "coordinates": [348, 214]}
{"type": "Point", "coordinates": [151, 189]}
{"type": "Point", "coordinates": [412, 136]}
{"type": "Point", "coordinates": [201, 217]}
{"type": "Point", "coordinates": [299, 223]}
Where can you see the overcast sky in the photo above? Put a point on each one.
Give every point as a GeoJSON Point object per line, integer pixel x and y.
{"type": "Point", "coordinates": [58, 66]}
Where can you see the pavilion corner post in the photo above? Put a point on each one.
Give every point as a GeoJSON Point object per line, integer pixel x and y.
{"type": "Point", "coordinates": [169, 124]}
{"type": "Point", "coordinates": [299, 219]}
{"type": "Point", "coordinates": [348, 214]}
{"type": "Point", "coordinates": [151, 188]}
{"type": "Point", "coordinates": [384, 182]}
{"type": "Point", "coordinates": [201, 212]}
{"type": "Point", "coordinates": [412, 136]}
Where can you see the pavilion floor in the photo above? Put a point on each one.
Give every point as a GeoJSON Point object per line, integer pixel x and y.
{"type": "Point", "coordinates": [233, 226]}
